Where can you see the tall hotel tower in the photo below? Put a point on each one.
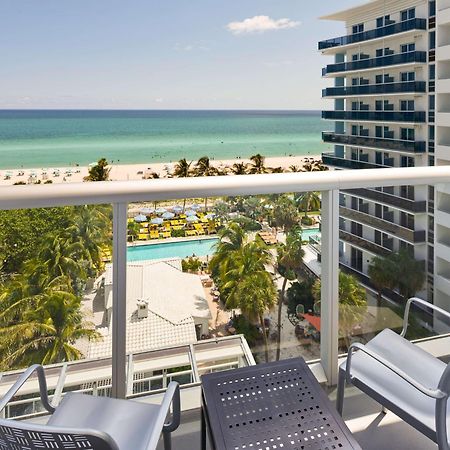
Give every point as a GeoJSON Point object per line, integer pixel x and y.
{"type": "Point", "coordinates": [383, 74]}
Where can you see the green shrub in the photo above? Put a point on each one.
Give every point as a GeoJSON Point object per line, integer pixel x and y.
{"type": "Point", "coordinates": [243, 326]}
{"type": "Point", "coordinates": [307, 221]}
{"type": "Point", "coordinates": [178, 233]}
{"type": "Point", "coordinates": [191, 264]}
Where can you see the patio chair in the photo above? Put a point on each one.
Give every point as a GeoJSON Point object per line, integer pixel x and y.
{"type": "Point", "coordinates": [91, 423]}
{"type": "Point", "coordinates": [403, 378]}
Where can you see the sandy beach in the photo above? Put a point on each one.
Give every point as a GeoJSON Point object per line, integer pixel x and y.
{"type": "Point", "coordinates": [126, 171]}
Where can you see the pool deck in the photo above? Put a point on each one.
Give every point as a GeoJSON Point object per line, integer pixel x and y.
{"type": "Point", "coordinates": [171, 240]}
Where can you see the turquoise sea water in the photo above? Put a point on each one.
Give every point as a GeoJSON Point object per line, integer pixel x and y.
{"type": "Point", "coordinates": [62, 138]}
{"type": "Point", "coordinates": [181, 249]}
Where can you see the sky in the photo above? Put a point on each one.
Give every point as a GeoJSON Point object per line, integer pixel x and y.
{"type": "Point", "coordinates": [165, 54]}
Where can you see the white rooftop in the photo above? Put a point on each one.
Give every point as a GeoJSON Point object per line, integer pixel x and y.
{"type": "Point", "coordinates": [175, 301]}
{"type": "Point", "coordinates": [363, 8]}
{"type": "Point", "coordinates": [150, 333]}
{"type": "Point", "coordinates": [170, 293]}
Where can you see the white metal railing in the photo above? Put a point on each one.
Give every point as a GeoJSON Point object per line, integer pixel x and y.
{"type": "Point", "coordinates": [88, 375]}
{"type": "Point", "coordinates": [121, 193]}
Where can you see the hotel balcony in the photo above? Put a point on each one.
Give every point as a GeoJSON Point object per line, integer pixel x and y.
{"type": "Point", "coordinates": [329, 159]}
{"type": "Point", "coordinates": [363, 244]}
{"type": "Point", "coordinates": [405, 87]}
{"type": "Point", "coordinates": [376, 116]}
{"type": "Point", "coordinates": [393, 229]}
{"type": "Point", "coordinates": [378, 33]}
{"type": "Point", "coordinates": [399, 59]}
{"type": "Point", "coordinates": [373, 142]}
{"type": "Point", "coordinates": [405, 204]}
{"type": "Point", "coordinates": [143, 376]}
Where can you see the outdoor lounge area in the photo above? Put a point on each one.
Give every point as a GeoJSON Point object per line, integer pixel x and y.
{"type": "Point", "coordinates": [173, 221]}
{"type": "Point", "coordinates": [224, 359]}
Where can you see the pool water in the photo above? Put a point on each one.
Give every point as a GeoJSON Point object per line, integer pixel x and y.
{"type": "Point", "coordinates": [310, 232]}
{"type": "Point", "coordinates": [181, 249]}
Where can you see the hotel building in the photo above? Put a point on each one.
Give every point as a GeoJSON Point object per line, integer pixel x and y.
{"type": "Point", "coordinates": [383, 74]}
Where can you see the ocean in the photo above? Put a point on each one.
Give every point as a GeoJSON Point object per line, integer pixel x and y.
{"type": "Point", "coordinates": [45, 138]}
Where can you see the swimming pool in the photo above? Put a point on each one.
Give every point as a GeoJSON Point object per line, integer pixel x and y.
{"type": "Point", "coordinates": [181, 249]}
{"type": "Point", "coordinates": [310, 232]}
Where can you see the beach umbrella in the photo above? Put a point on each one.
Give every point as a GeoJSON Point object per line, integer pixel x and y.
{"type": "Point", "coordinates": [160, 210]}
{"type": "Point", "coordinates": [140, 218]}
{"type": "Point", "coordinates": [210, 216]}
{"type": "Point", "coordinates": [190, 212]}
{"type": "Point", "coordinates": [147, 211]}
{"type": "Point", "coordinates": [195, 207]}
{"type": "Point", "coordinates": [177, 209]}
{"type": "Point", "coordinates": [168, 215]}
{"type": "Point", "coordinates": [157, 221]}
{"type": "Point", "coordinates": [192, 219]}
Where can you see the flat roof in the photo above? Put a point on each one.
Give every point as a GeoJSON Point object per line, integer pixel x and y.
{"type": "Point", "coordinates": [345, 14]}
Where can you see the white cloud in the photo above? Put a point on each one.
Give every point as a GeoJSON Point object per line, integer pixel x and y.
{"type": "Point", "coordinates": [260, 24]}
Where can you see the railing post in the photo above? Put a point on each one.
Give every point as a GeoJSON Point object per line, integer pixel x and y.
{"type": "Point", "coordinates": [329, 334]}
{"type": "Point", "coordinates": [119, 321]}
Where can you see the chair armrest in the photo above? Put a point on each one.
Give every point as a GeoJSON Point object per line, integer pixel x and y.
{"type": "Point", "coordinates": [420, 302]}
{"type": "Point", "coordinates": [172, 396]}
{"type": "Point", "coordinates": [434, 393]}
{"type": "Point", "coordinates": [21, 381]}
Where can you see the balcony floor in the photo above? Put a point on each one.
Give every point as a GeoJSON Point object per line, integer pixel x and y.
{"type": "Point", "coordinates": [371, 428]}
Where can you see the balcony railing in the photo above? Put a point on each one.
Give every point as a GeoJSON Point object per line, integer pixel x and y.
{"type": "Point", "coordinates": [376, 116]}
{"type": "Point", "coordinates": [120, 194]}
{"type": "Point", "coordinates": [376, 89]}
{"type": "Point", "coordinates": [411, 236]}
{"type": "Point", "coordinates": [373, 142]}
{"type": "Point", "coordinates": [374, 63]}
{"type": "Point", "coordinates": [389, 30]}
{"type": "Point", "coordinates": [364, 244]}
{"type": "Point", "coordinates": [330, 159]}
{"type": "Point", "coordinates": [404, 204]}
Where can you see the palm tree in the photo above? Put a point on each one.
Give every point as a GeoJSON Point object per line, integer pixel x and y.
{"type": "Point", "coordinates": [231, 239]}
{"type": "Point", "coordinates": [239, 169]}
{"type": "Point", "coordinates": [276, 170]}
{"type": "Point", "coordinates": [409, 273]}
{"type": "Point", "coordinates": [99, 172]}
{"type": "Point", "coordinates": [183, 170]}
{"type": "Point", "coordinates": [203, 168]}
{"type": "Point", "coordinates": [92, 229]}
{"type": "Point", "coordinates": [289, 260]}
{"type": "Point", "coordinates": [352, 304]}
{"type": "Point", "coordinates": [257, 165]}
{"type": "Point", "coordinates": [59, 257]}
{"type": "Point", "coordinates": [285, 213]}
{"type": "Point", "coordinates": [313, 165]}
{"type": "Point", "coordinates": [250, 287]}
{"type": "Point", "coordinates": [49, 324]}
{"type": "Point", "coordinates": [381, 272]}
{"type": "Point", "coordinates": [308, 201]}
{"type": "Point", "coordinates": [293, 168]}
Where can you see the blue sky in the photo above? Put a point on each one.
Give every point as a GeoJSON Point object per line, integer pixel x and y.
{"type": "Point", "coordinates": [165, 54]}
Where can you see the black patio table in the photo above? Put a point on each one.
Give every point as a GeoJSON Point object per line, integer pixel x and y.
{"type": "Point", "coordinates": [278, 405]}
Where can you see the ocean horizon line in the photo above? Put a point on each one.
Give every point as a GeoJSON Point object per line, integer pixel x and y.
{"type": "Point", "coordinates": [163, 110]}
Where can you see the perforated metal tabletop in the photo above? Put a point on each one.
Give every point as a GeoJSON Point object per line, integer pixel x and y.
{"type": "Point", "coordinates": [272, 406]}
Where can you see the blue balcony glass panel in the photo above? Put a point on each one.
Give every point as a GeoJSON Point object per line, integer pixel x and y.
{"type": "Point", "coordinates": [375, 89]}
{"type": "Point", "coordinates": [375, 116]}
{"type": "Point", "coordinates": [389, 30]}
{"type": "Point", "coordinates": [373, 63]}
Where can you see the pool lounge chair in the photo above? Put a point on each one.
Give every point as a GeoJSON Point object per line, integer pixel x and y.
{"type": "Point", "coordinates": [142, 237]}
{"type": "Point", "coordinates": [154, 235]}
{"type": "Point", "coordinates": [89, 422]}
{"type": "Point", "coordinates": [166, 234]}
{"type": "Point", "coordinates": [191, 233]}
{"type": "Point", "coordinates": [402, 377]}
